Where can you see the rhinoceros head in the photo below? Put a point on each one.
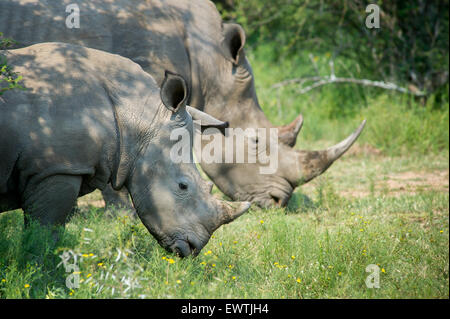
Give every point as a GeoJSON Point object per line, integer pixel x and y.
{"type": "Point", "coordinates": [171, 198]}
{"type": "Point", "coordinates": [230, 94]}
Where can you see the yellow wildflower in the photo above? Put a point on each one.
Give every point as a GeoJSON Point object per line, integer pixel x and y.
{"type": "Point", "coordinates": [27, 286]}
{"type": "Point", "coordinates": [299, 280]}
{"type": "Point", "coordinates": [293, 257]}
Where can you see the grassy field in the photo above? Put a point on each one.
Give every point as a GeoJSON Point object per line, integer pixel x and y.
{"type": "Point", "coordinates": [385, 203]}
{"type": "Point", "coordinates": [318, 247]}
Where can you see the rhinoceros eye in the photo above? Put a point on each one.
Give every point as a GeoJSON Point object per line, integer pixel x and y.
{"type": "Point", "coordinates": [183, 186]}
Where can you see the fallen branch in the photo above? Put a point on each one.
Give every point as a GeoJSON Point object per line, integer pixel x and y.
{"type": "Point", "coordinates": [323, 80]}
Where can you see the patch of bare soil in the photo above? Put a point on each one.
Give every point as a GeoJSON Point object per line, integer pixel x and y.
{"type": "Point", "coordinates": [93, 199]}
{"type": "Point", "coordinates": [406, 183]}
{"type": "Point", "coordinates": [95, 203]}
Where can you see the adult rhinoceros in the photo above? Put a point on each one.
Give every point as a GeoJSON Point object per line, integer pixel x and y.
{"type": "Point", "coordinates": [186, 36]}
{"type": "Point", "coordinates": [88, 118]}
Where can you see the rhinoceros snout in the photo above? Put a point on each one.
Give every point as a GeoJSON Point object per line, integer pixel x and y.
{"type": "Point", "coordinates": [277, 196]}
{"type": "Point", "coordinates": [185, 248]}
{"type": "Point", "coordinates": [280, 198]}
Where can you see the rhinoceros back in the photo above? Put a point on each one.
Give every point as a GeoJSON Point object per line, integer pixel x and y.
{"type": "Point", "coordinates": [35, 21]}
{"type": "Point", "coordinates": [151, 33]}
{"type": "Point", "coordinates": [64, 121]}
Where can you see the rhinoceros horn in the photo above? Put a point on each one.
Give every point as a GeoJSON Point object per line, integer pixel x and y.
{"type": "Point", "coordinates": [310, 164]}
{"type": "Point", "coordinates": [288, 133]}
{"type": "Point", "coordinates": [229, 211]}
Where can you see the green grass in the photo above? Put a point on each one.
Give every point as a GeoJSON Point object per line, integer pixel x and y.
{"type": "Point", "coordinates": [318, 247]}
{"type": "Point", "coordinates": [333, 238]}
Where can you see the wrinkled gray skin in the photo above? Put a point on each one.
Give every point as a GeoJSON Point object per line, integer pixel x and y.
{"type": "Point", "coordinates": [188, 37]}
{"type": "Point", "coordinates": [89, 118]}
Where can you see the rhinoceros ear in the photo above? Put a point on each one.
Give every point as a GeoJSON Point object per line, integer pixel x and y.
{"type": "Point", "coordinates": [234, 41]}
{"type": "Point", "coordinates": [174, 91]}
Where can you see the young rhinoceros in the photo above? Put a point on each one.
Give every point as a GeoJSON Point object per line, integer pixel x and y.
{"type": "Point", "coordinates": [88, 118]}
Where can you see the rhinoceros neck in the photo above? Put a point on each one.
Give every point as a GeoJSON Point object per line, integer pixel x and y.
{"type": "Point", "coordinates": [136, 124]}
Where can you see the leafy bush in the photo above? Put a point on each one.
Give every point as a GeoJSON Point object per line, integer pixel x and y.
{"type": "Point", "coordinates": [9, 80]}
{"type": "Point", "coordinates": [411, 45]}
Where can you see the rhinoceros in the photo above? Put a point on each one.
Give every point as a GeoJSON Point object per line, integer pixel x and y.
{"type": "Point", "coordinates": [88, 118]}
{"type": "Point", "coordinates": [189, 37]}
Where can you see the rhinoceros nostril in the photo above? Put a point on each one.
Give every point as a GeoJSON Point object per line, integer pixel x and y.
{"type": "Point", "coordinates": [195, 244]}
{"type": "Point", "coordinates": [181, 248]}
{"type": "Point", "coordinates": [194, 250]}
{"type": "Point", "coordinates": [276, 199]}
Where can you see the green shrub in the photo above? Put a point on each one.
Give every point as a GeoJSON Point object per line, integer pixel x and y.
{"type": "Point", "coordinates": [9, 79]}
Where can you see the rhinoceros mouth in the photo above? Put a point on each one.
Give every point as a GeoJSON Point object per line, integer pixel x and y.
{"type": "Point", "coordinates": [271, 199]}
{"type": "Point", "coordinates": [186, 247]}
{"type": "Point", "coordinates": [274, 193]}
{"type": "Point", "coordinates": [181, 241]}
{"type": "Point", "coordinates": [185, 244]}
